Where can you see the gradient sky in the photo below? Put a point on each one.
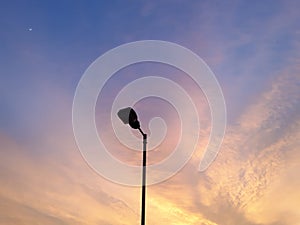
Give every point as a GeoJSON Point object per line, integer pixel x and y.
{"type": "Point", "coordinates": [253, 47]}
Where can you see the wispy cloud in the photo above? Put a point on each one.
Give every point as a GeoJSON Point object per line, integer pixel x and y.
{"type": "Point", "coordinates": [258, 156]}
{"type": "Point", "coordinates": [36, 190]}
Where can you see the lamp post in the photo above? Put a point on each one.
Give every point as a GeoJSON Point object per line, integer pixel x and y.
{"type": "Point", "coordinates": [129, 116]}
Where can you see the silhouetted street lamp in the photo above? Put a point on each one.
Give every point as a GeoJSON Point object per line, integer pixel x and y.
{"type": "Point", "coordinates": [129, 116]}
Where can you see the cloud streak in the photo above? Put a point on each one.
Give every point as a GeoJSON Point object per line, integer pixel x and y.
{"type": "Point", "coordinates": [259, 155]}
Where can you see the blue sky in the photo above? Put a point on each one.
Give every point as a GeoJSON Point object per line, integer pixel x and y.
{"type": "Point", "coordinates": [67, 36]}
{"type": "Point", "coordinates": [251, 46]}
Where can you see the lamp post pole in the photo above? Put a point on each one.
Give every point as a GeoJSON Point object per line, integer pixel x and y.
{"type": "Point", "coordinates": [144, 177]}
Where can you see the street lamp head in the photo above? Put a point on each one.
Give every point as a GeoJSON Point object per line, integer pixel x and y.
{"type": "Point", "coordinates": [129, 116]}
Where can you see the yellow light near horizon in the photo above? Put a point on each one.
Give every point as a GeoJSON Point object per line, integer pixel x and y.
{"type": "Point", "coordinates": [167, 212]}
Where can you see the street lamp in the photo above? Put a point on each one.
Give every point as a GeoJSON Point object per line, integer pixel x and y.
{"type": "Point", "coordinates": [129, 116]}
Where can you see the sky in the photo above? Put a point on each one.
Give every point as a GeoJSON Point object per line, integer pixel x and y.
{"type": "Point", "coordinates": [252, 47]}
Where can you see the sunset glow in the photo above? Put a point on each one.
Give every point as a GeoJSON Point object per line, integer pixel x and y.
{"type": "Point", "coordinates": [252, 47]}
